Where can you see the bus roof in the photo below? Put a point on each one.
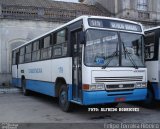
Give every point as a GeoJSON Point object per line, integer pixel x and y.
{"type": "Point", "coordinates": [153, 28]}
{"type": "Point", "coordinates": [77, 19]}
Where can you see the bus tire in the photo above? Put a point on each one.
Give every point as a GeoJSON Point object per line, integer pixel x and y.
{"type": "Point", "coordinates": [150, 101]}
{"type": "Point", "coordinates": [64, 104]}
{"type": "Point", "coordinates": [24, 90]}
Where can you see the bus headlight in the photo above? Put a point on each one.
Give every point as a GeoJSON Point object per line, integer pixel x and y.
{"type": "Point", "coordinates": [144, 85]}
{"type": "Point", "coordinates": [93, 87]}
{"type": "Point", "coordinates": [100, 86]}
{"type": "Point", "coordinates": [97, 87]}
{"type": "Point", "coordinates": [141, 85]}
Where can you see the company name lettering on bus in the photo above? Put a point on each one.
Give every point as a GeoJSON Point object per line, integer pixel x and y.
{"type": "Point", "coordinates": [123, 26]}
{"type": "Point", "coordinates": [35, 70]}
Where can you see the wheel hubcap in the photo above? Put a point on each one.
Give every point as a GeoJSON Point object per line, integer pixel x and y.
{"type": "Point", "coordinates": [63, 97]}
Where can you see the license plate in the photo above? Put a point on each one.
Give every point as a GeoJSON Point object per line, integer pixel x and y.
{"type": "Point", "coordinates": [120, 99]}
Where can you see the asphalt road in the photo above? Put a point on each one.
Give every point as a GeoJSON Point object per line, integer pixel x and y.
{"type": "Point", "coordinates": [16, 108]}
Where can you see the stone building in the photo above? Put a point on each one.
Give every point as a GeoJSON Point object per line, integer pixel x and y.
{"type": "Point", "coordinates": [23, 20]}
{"type": "Point", "coordinates": [145, 11]}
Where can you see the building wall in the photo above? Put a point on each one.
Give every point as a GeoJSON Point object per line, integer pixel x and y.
{"type": "Point", "coordinates": [109, 5]}
{"type": "Point", "coordinates": [90, 2]}
{"type": "Point", "coordinates": [128, 9]}
{"type": "Point", "coordinates": [149, 17]}
{"type": "Point", "coordinates": [14, 33]}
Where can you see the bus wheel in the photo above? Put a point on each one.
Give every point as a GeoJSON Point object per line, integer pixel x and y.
{"type": "Point", "coordinates": [64, 104]}
{"type": "Point", "coordinates": [24, 90]}
{"type": "Point", "coordinates": [149, 102]}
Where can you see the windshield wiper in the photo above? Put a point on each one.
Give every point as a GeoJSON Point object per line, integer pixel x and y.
{"type": "Point", "coordinates": [130, 57]}
{"type": "Point", "coordinates": [111, 57]}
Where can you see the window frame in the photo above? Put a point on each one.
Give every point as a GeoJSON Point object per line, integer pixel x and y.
{"type": "Point", "coordinates": [33, 51]}
{"type": "Point", "coordinates": [13, 57]}
{"type": "Point", "coordinates": [67, 42]}
{"type": "Point", "coordinates": [46, 48]}
{"type": "Point", "coordinates": [156, 45]}
{"type": "Point", "coordinates": [50, 42]}
{"type": "Point", "coordinates": [52, 45]}
{"type": "Point", "coordinates": [27, 53]}
{"type": "Point", "coordinates": [142, 5]}
{"type": "Point", "coordinates": [56, 33]}
{"type": "Point", "coordinates": [20, 54]}
{"type": "Point", "coordinates": [34, 43]}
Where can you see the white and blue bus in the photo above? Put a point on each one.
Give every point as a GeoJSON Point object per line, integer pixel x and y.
{"type": "Point", "coordinates": [152, 59]}
{"type": "Point", "coordinates": [89, 60]}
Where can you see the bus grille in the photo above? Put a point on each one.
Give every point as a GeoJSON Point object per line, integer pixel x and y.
{"type": "Point", "coordinates": [118, 79]}
{"type": "Point", "coordinates": [120, 87]}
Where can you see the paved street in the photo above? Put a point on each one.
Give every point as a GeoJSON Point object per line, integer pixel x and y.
{"type": "Point", "coordinates": [16, 108]}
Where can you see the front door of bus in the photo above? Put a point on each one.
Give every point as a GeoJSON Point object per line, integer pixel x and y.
{"type": "Point", "coordinates": [77, 65]}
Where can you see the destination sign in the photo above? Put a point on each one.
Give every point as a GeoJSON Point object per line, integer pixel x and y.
{"type": "Point", "coordinates": [124, 26]}
{"type": "Point", "coordinates": [114, 24]}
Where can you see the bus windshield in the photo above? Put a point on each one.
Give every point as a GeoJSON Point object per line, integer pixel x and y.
{"type": "Point", "coordinates": [103, 49]}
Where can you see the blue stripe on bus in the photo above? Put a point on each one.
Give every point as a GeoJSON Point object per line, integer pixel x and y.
{"type": "Point", "coordinates": [89, 97]}
{"type": "Point", "coordinates": [69, 92]}
{"type": "Point", "coordinates": [16, 82]}
{"type": "Point", "coordinates": [47, 88]}
{"type": "Point", "coordinates": [102, 97]}
{"type": "Point", "coordinates": [156, 89]}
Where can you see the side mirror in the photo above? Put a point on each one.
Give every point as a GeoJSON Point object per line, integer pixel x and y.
{"type": "Point", "coordinates": [82, 37]}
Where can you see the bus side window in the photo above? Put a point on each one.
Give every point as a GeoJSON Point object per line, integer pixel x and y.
{"type": "Point", "coordinates": [14, 57]}
{"type": "Point", "coordinates": [28, 53]}
{"type": "Point", "coordinates": [60, 47]}
{"type": "Point", "coordinates": [21, 57]}
{"type": "Point", "coordinates": [36, 51]}
{"type": "Point", "coordinates": [149, 45]}
{"type": "Point", "coordinates": [46, 47]}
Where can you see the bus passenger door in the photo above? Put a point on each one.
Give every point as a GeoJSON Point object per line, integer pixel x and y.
{"type": "Point", "coordinates": [77, 65]}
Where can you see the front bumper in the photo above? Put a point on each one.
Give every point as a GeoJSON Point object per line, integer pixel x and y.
{"type": "Point", "coordinates": [104, 97]}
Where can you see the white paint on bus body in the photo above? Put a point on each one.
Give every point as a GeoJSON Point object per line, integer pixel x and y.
{"type": "Point", "coordinates": [90, 73]}
{"type": "Point", "coordinates": [153, 71]}
{"type": "Point", "coordinates": [47, 70]}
